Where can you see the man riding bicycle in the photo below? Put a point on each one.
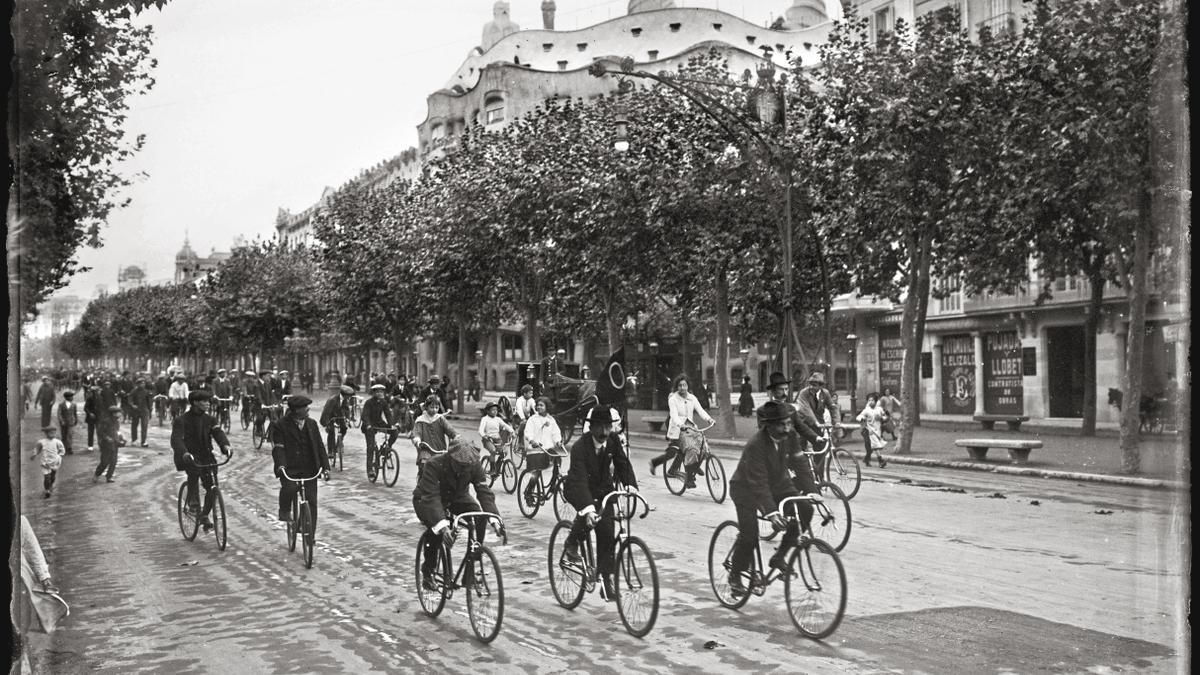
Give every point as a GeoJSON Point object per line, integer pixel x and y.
{"type": "Point", "coordinates": [760, 483]}
{"type": "Point", "coordinates": [192, 436]}
{"type": "Point", "coordinates": [296, 448]}
{"type": "Point", "coordinates": [335, 414]}
{"type": "Point", "coordinates": [222, 388]}
{"type": "Point", "coordinates": [376, 416]}
{"type": "Point", "coordinates": [597, 458]}
{"type": "Point", "coordinates": [432, 429]}
{"type": "Point", "coordinates": [178, 394]}
{"type": "Point", "coordinates": [442, 492]}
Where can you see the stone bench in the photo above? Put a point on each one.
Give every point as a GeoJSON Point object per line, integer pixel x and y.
{"type": "Point", "coordinates": [1018, 450]}
{"type": "Point", "coordinates": [656, 423]}
{"type": "Point", "coordinates": [1013, 421]}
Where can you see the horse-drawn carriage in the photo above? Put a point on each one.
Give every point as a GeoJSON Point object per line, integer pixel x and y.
{"type": "Point", "coordinates": [571, 397]}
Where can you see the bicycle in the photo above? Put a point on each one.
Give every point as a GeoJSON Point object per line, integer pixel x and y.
{"type": "Point", "coordinates": [834, 523]}
{"type": "Point", "coordinates": [814, 582]}
{"type": "Point", "coordinates": [248, 411]}
{"type": "Point", "coordinates": [533, 479]}
{"type": "Point", "coordinates": [337, 450]}
{"type": "Point", "coordinates": [160, 408]}
{"type": "Point", "coordinates": [508, 470]}
{"type": "Point", "coordinates": [223, 412]}
{"type": "Point", "coordinates": [839, 466]}
{"type": "Point", "coordinates": [189, 522]}
{"type": "Point", "coordinates": [478, 573]}
{"type": "Point", "coordinates": [636, 582]}
{"type": "Point", "coordinates": [301, 522]}
{"type": "Point", "coordinates": [387, 460]}
{"type": "Point", "coordinates": [268, 416]}
{"type": "Point", "coordinates": [713, 470]}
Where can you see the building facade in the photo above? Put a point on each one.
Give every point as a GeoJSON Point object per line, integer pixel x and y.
{"type": "Point", "coordinates": [190, 267]}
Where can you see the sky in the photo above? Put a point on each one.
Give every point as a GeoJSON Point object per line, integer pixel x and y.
{"type": "Point", "coordinates": [259, 105]}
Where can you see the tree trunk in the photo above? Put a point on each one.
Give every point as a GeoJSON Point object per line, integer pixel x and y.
{"type": "Point", "coordinates": [462, 367]}
{"type": "Point", "coordinates": [1131, 457]}
{"type": "Point", "coordinates": [533, 348]}
{"type": "Point", "coordinates": [724, 390]}
{"type": "Point", "coordinates": [1091, 326]}
{"type": "Point", "coordinates": [910, 370]}
{"type": "Point", "coordinates": [441, 361]}
{"type": "Point", "coordinates": [914, 419]}
{"type": "Point", "coordinates": [684, 352]}
{"type": "Point", "coordinates": [613, 324]}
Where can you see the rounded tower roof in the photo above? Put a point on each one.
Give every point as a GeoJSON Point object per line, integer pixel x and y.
{"type": "Point", "coordinates": [805, 14]}
{"type": "Point", "coordinates": [186, 253]}
{"type": "Point", "coordinates": [636, 6]}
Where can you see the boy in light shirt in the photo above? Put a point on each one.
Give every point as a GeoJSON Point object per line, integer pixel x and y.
{"type": "Point", "coordinates": [489, 430]}
{"type": "Point", "coordinates": [52, 450]}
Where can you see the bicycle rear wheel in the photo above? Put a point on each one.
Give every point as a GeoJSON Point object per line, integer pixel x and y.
{"type": "Point", "coordinates": [391, 468]}
{"type": "Point", "coordinates": [373, 474]}
{"type": "Point", "coordinates": [225, 424]}
{"type": "Point", "coordinates": [341, 467]}
{"type": "Point", "coordinates": [292, 524]}
{"type": "Point", "coordinates": [259, 435]}
{"type": "Point", "coordinates": [245, 418]}
{"type": "Point", "coordinates": [486, 463]}
{"type": "Point", "coordinates": [842, 470]}
{"type": "Point", "coordinates": [815, 589]}
{"type": "Point", "coordinates": [485, 597]}
{"type": "Point", "coordinates": [714, 476]}
{"type": "Point", "coordinates": [508, 475]}
{"type": "Point", "coordinates": [676, 480]}
{"type": "Point", "coordinates": [188, 522]}
{"type": "Point", "coordinates": [831, 518]}
{"type": "Point", "coordinates": [720, 561]}
{"type": "Point", "coordinates": [566, 579]}
{"type": "Point", "coordinates": [218, 520]}
{"type": "Point", "coordinates": [637, 587]}
{"type": "Point", "coordinates": [529, 481]}
{"type": "Point", "coordinates": [307, 535]}
{"type": "Point", "coordinates": [563, 510]}
{"type": "Point", "coordinates": [432, 599]}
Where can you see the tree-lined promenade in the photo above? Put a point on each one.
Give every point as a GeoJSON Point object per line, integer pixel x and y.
{"type": "Point", "coordinates": [917, 156]}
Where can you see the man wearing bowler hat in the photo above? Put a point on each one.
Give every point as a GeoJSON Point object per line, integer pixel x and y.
{"type": "Point", "coordinates": [298, 449]}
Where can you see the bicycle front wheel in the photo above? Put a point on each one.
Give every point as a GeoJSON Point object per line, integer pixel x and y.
{"type": "Point", "coordinates": [720, 562]}
{"type": "Point", "coordinates": [815, 589]}
{"type": "Point", "coordinates": [293, 524]}
{"type": "Point", "coordinates": [218, 520]}
{"type": "Point", "coordinates": [225, 425]}
{"type": "Point", "coordinates": [259, 435]}
{"type": "Point", "coordinates": [529, 484]}
{"type": "Point", "coordinates": [508, 476]}
{"type": "Point", "coordinates": [486, 463]}
{"type": "Point", "coordinates": [307, 536]}
{"type": "Point", "coordinates": [831, 518]}
{"type": "Point", "coordinates": [566, 578]}
{"type": "Point", "coordinates": [842, 470]}
{"type": "Point", "coordinates": [485, 597]}
{"type": "Point", "coordinates": [675, 479]}
{"type": "Point", "coordinates": [637, 587]}
{"type": "Point", "coordinates": [432, 598]}
{"type": "Point", "coordinates": [188, 522]}
{"type": "Point", "coordinates": [341, 467]}
{"type": "Point", "coordinates": [714, 476]}
{"type": "Point", "coordinates": [245, 418]}
{"type": "Point", "coordinates": [391, 468]}
{"type": "Point", "coordinates": [563, 510]}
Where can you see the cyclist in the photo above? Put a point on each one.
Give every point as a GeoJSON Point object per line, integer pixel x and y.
{"type": "Point", "coordinates": [542, 435]}
{"type": "Point", "coordinates": [818, 399]}
{"type": "Point", "coordinates": [252, 394]}
{"type": "Point", "coordinates": [431, 428]}
{"type": "Point", "coordinates": [805, 426]}
{"type": "Point", "coordinates": [598, 462]}
{"type": "Point", "coordinates": [297, 448]}
{"type": "Point", "coordinates": [335, 414]}
{"type": "Point", "coordinates": [489, 430]}
{"type": "Point", "coordinates": [178, 393]}
{"type": "Point", "coordinates": [285, 383]}
{"type": "Point", "coordinates": [443, 492]}
{"type": "Point", "coordinates": [760, 483]}
{"type": "Point", "coordinates": [683, 405]}
{"type": "Point", "coordinates": [192, 436]}
{"type": "Point", "coordinates": [376, 414]}
{"type": "Point", "coordinates": [222, 387]}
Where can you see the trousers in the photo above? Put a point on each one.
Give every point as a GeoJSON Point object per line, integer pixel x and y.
{"type": "Point", "coordinates": [139, 417]}
{"type": "Point", "coordinates": [287, 494]}
{"type": "Point", "coordinates": [606, 544]}
{"type": "Point", "coordinates": [432, 542]}
{"type": "Point", "coordinates": [204, 477]}
{"type": "Point", "coordinates": [108, 458]}
{"type": "Point", "coordinates": [68, 438]}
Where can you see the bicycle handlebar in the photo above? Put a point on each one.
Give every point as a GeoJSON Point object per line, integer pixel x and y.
{"type": "Point", "coordinates": [213, 466]}
{"type": "Point", "coordinates": [626, 493]}
{"type": "Point", "coordinates": [300, 480]}
{"type": "Point", "coordinates": [493, 518]}
{"type": "Point", "coordinates": [794, 502]}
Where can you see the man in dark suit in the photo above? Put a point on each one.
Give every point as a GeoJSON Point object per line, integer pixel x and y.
{"type": "Point", "coordinates": [335, 415]}
{"type": "Point", "coordinates": [192, 436]}
{"type": "Point", "coordinates": [760, 483]}
{"type": "Point", "coordinates": [298, 449]}
{"type": "Point", "coordinates": [598, 460]}
{"type": "Point", "coordinates": [442, 492]}
{"type": "Point", "coordinates": [139, 403]}
{"type": "Point", "coordinates": [45, 401]}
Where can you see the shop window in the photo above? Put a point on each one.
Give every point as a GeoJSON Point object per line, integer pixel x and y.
{"type": "Point", "coordinates": [512, 347]}
{"type": "Point", "coordinates": [493, 110]}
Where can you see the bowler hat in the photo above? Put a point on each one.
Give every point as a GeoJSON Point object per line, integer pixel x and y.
{"type": "Point", "coordinates": [774, 411]}
{"type": "Point", "coordinates": [777, 379]}
{"type": "Point", "coordinates": [599, 415]}
{"type": "Point", "coordinates": [346, 389]}
{"type": "Point", "coordinates": [817, 377]}
{"type": "Point", "coordinates": [299, 401]}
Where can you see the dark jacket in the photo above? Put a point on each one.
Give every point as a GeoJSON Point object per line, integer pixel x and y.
{"type": "Point", "coordinates": [818, 402]}
{"type": "Point", "coordinates": [194, 432]}
{"type": "Point", "coordinates": [445, 482]}
{"type": "Point", "coordinates": [68, 414]}
{"type": "Point", "coordinates": [45, 395]}
{"type": "Point", "coordinates": [762, 475]}
{"type": "Point", "coordinates": [335, 406]}
{"type": "Point", "coordinates": [288, 450]}
{"type": "Point", "coordinates": [91, 403]}
{"type": "Point", "coordinates": [139, 398]}
{"type": "Point", "coordinates": [376, 413]}
{"type": "Point", "coordinates": [222, 388]}
{"type": "Point", "coordinates": [108, 428]}
{"type": "Point", "coordinates": [591, 474]}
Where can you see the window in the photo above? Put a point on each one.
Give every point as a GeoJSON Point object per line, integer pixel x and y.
{"type": "Point", "coordinates": [637, 32]}
{"type": "Point", "coordinates": [716, 26]}
{"type": "Point", "coordinates": [547, 46]}
{"type": "Point", "coordinates": [562, 65]}
{"type": "Point", "coordinates": [513, 347]}
{"type": "Point", "coordinates": [882, 22]}
{"type": "Point", "coordinates": [493, 110]}
{"type": "Point", "coordinates": [653, 54]}
{"type": "Point", "coordinates": [581, 46]}
{"type": "Point", "coordinates": [675, 27]}
{"type": "Point", "coordinates": [750, 39]}
{"type": "Point", "coordinates": [951, 290]}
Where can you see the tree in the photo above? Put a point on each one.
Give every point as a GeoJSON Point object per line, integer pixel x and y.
{"type": "Point", "coordinates": [77, 66]}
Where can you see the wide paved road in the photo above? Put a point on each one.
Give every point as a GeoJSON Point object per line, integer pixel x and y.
{"type": "Point", "coordinates": [949, 572]}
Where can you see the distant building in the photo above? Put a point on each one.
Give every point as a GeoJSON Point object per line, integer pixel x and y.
{"type": "Point", "coordinates": [56, 317]}
{"type": "Point", "coordinates": [131, 276]}
{"type": "Point", "coordinates": [189, 266]}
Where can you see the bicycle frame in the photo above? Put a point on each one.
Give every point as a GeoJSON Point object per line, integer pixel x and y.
{"type": "Point", "coordinates": [473, 544]}
{"type": "Point", "coordinates": [300, 496]}
{"type": "Point", "coordinates": [208, 468]}
{"type": "Point", "coordinates": [758, 580]}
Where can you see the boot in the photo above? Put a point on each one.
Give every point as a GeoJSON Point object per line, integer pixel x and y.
{"type": "Point", "coordinates": [691, 478]}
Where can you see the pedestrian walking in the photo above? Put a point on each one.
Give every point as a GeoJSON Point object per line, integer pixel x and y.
{"type": "Point", "coordinates": [745, 399]}
{"type": "Point", "coordinates": [891, 406]}
{"type": "Point", "coordinates": [51, 451]}
{"type": "Point", "coordinates": [872, 418]}
{"type": "Point", "coordinates": [139, 405]}
{"type": "Point", "coordinates": [91, 406]}
{"type": "Point", "coordinates": [45, 400]}
{"type": "Point", "coordinates": [110, 439]}
{"type": "Point", "coordinates": [68, 418]}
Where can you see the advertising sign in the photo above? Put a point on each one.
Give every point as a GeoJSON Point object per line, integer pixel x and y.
{"type": "Point", "coordinates": [891, 359]}
{"type": "Point", "coordinates": [1002, 391]}
{"type": "Point", "coordinates": [958, 375]}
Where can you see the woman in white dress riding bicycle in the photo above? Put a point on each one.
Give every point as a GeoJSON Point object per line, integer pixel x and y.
{"type": "Point", "coordinates": [542, 435]}
{"type": "Point", "coordinates": [683, 406]}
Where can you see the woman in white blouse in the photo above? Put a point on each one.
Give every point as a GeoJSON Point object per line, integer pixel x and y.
{"type": "Point", "coordinates": [683, 406]}
{"type": "Point", "coordinates": [542, 435]}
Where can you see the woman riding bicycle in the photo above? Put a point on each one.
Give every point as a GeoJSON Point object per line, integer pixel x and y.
{"type": "Point", "coordinates": [542, 435]}
{"type": "Point", "coordinates": [683, 405]}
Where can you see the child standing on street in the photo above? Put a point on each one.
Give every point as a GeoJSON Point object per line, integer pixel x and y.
{"type": "Point", "coordinates": [52, 450]}
{"type": "Point", "coordinates": [872, 429]}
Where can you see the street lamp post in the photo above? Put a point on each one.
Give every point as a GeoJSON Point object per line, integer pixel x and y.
{"type": "Point", "coordinates": [850, 372]}
{"type": "Point", "coordinates": [768, 105]}
{"type": "Point", "coordinates": [745, 352]}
